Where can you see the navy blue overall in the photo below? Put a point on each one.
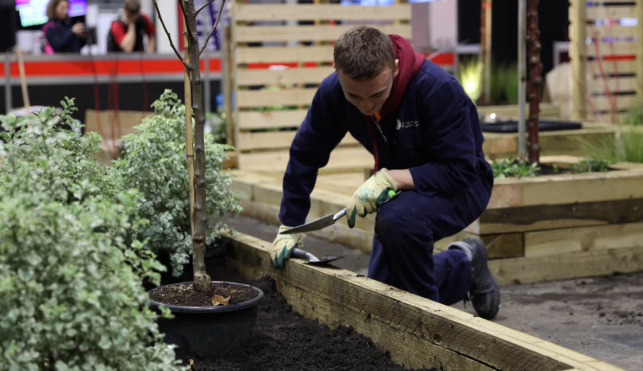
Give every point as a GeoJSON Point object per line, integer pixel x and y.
{"type": "Point", "coordinates": [435, 133]}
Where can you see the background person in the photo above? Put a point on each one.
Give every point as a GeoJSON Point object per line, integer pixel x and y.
{"type": "Point", "coordinates": [62, 35]}
{"type": "Point", "coordinates": [129, 30]}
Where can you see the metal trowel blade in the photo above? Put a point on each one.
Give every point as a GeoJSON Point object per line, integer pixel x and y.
{"type": "Point", "coordinates": [312, 226]}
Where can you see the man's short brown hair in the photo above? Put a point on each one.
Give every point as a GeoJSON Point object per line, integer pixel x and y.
{"type": "Point", "coordinates": [132, 6]}
{"type": "Point", "coordinates": [363, 52]}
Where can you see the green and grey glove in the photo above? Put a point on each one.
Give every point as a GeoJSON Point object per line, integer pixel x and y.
{"type": "Point", "coordinates": [283, 245]}
{"type": "Point", "coordinates": [370, 196]}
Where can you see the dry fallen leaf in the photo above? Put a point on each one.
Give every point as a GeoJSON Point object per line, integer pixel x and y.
{"type": "Point", "coordinates": [220, 300]}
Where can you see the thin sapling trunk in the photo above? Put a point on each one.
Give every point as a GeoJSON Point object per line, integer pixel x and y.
{"type": "Point", "coordinates": [535, 79]}
{"type": "Point", "coordinates": [199, 214]}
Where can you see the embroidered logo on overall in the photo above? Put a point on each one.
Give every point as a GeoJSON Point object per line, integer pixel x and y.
{"type": "Point", "coordinates": [407, 124]}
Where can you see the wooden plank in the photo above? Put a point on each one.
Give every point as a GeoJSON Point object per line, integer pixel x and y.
{"type": "Point", "coordinates": [613, 84]}
{"type": "Point", "coordinates": [623, 101]}
{"type": "Point", "coordinates": [312, 75]}
{"type": "Point", "coordinates": [621, 67]}
{"type": "Point", "coordinates": [278, 160]}
{"type": "Point", "coordinates": [567, 266]}
{"type": "Point", "coordinates": [554, 242]}
{"type": "Point", "coordinates": [606, 49]}
{"type": "Point", "coordinates": [611, 12]}
{"type": "Point", "coordinates": [566, 188]}
{"type": "Point", "coordinates": [275, 140]}
{"type": "Point", "coordinates": [508, 245]}
{"type": "Point", "coordinates": [610, 31]}
{"type": "Point", "coordinates": [417, 332]}
{"type": "Point", "coordinates": [307, 33]}
{"type": "Point", "coordinates": [110, 128]}
{"type": "Point", "coordinates": [271, 119]}
{"type": "Point", "coordinates": [638, 14]}
{"type": "Point", "coordinates": [549, 217]}
{"type": "Point", "coordinates": [509, 110]}
{"type": "Point", "coordinates": [263, 98]}
{"type": "Point", "coordinates": [284, 54]}
{"type": "Point", "coordinates": [327, 12]}
{"type": "Point", "coordinates": [552, 143]}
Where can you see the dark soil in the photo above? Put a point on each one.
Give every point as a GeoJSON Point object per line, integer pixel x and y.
{"type": "Point", "coordinates": [286, 341]}
{"type": "Point", "coordinates": [185, 295]}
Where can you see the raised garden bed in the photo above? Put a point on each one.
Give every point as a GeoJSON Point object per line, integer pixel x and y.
{"type": "Point", "coordinates": [566, 225]}
{"type": "Point", "coordinates": [550, 227]}
{"type": "Point", "coordinates": [416, 332]}
{"type": "Point", "coordinates": [568, 142]}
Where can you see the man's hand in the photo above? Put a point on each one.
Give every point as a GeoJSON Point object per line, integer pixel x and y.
{"type": "Point", "coordinates": [370, 196]}
{"type": "Point", "coordinates": [283, 245]}
{"type": "Point", "coordinates": [125, 19]}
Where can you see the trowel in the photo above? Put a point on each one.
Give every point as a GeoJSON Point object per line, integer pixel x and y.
{"type": "Point", "coordinates": [312, 259]}
{"type": "Point", "coordinates": [329, 220]}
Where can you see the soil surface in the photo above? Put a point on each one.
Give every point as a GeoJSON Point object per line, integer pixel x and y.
{"type": "Point", "coordinates": [185, 295]}
{"type": "Point", "coordinates": [599, 317]}
{"type": "Point", "coordinates": [286, 341]}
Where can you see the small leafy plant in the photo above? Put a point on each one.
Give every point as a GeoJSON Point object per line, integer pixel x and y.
{"type": "Point", "coordinates": [153, 161]}
{"type": "Point", "coordinates": [591, 165]}
{"type": "Point", "coordinates": [513, 168]}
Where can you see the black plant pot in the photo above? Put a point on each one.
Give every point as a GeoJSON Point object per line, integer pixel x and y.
{"type": "Point", "coordinates": [202, 331]}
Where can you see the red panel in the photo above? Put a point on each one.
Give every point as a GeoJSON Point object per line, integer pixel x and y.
{"type": "Point", "coordinates": [103, 67]}
{"type": "Point", "coordinates": [443, 59]}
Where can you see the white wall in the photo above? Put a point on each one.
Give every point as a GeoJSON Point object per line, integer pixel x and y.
{"type": "Point", "coordinates": [169, 12]}
{"type": "Point", "coordinates": [443, 24]}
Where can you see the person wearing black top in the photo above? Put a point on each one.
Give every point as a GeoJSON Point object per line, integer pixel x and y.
{"type": "Point", "coordinates": [62, 34]}
{"type": "Point", "coordinates": [127, 33]}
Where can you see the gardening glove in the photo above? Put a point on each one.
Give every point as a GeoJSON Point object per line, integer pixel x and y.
{"type": "Point", "coordinates": [370, 196]}
{"type": "Point", "coordinates": [283, 244]}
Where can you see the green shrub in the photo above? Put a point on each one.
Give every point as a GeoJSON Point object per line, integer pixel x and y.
{"type": "Point", "coordinates": [510, 77]}
{"type": "Point", "coordinates": [627, 146]}
{"type": "Point", "coordinates": [218, 126]}
{"type": "Point", "coordinates": [513, 168]}
{"type": "Point", "coordinates": [43, 135]}
{"type": "Point", "coordinates": [471, 78]}
{"type": "Point", "coordinates": [154, 161]}
{"type": "Point", "coordinates": [71, 296]}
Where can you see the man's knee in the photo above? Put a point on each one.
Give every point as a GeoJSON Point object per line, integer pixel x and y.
{"type": "Point", "coordinates": [392, 222]}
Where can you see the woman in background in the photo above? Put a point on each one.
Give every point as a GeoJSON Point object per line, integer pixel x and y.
{"type": "Point", "coordinates": [61, 33]}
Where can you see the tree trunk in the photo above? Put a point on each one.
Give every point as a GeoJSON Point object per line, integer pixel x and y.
{"type": "Point", "coordinates": [201, 279]}
{"type": "Point", "coordinates": [535, 79]}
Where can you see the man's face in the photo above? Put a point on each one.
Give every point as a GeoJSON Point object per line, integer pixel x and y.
{"type": "Point", "coordinates": [131, 17]}
{"type": "Point", "coordinates": [369, 95]}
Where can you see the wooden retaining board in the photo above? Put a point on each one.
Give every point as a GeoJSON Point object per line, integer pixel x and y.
{"type": "Point", "coordinates": [417, 332]}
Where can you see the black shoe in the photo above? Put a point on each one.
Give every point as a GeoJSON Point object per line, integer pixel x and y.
{"type": "Point", "coordinates": [484, 290]}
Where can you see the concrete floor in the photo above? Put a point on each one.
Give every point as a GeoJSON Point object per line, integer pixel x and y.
{"type": "Point", "coordinates": [601, 317]}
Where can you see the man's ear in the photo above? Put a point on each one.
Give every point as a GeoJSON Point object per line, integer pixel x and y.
{"type": "Point", "coordinates": [396, 70]}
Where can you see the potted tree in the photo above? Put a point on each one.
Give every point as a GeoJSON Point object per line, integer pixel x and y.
{"type": "Point", "coordinates": [208, 316]}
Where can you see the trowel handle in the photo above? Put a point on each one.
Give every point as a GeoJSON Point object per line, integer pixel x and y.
{"type": "Point", "coordinates": [339, 215]}
{"type": "Point", "coordinates": [301, 254]}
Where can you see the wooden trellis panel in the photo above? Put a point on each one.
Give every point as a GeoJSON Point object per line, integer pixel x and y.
{"type": "Point", "coordinates": [276, 62]}
{"type": "Point", "coordinates": [607, 57]}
